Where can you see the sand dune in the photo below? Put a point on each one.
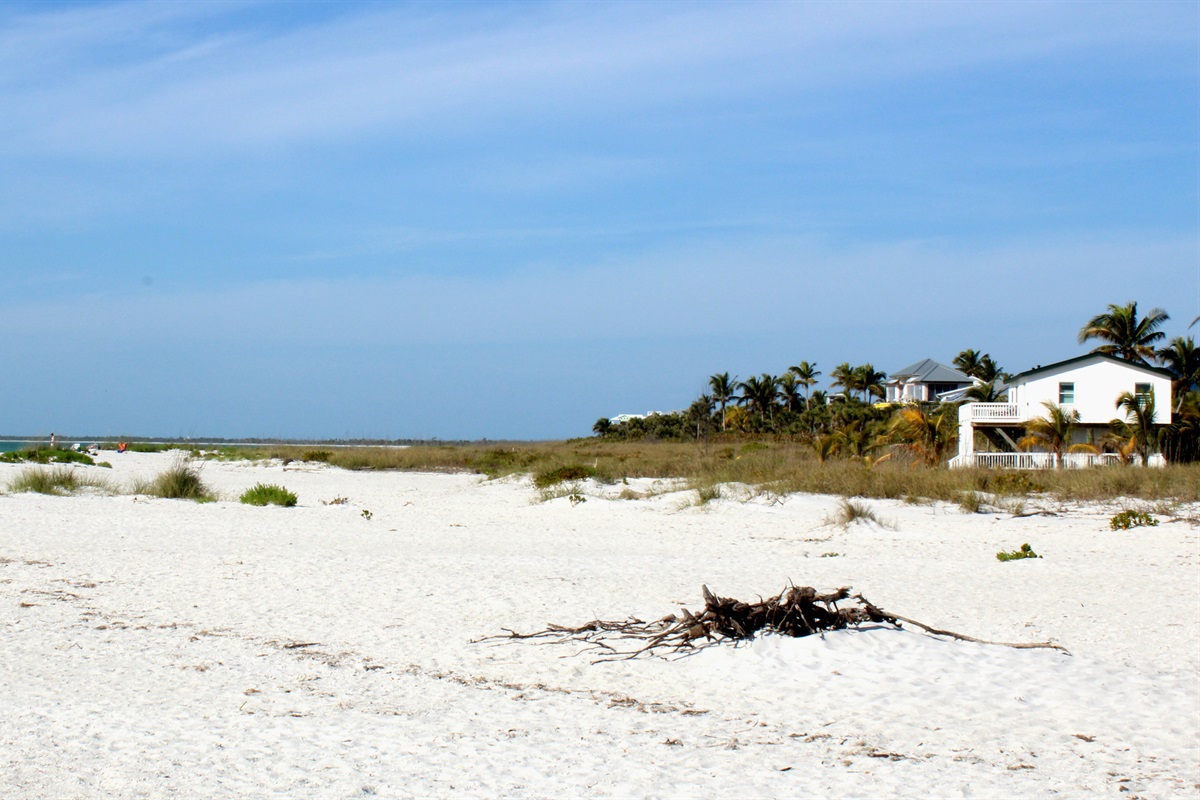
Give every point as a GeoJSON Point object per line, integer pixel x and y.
{"type": "Point", "coordinates": [156, 648]}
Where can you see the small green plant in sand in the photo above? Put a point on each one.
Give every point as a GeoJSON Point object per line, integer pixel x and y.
{"type": "Point", "coordinates": [181, 482]}
{"type": "Point", "coordinates": [1131, 518]}
{"type": "Point", "coordinates": [60, 481]}
{"type": "Point", "coordinates": [569, 472]}
{"type": "Point", "coordinates": [264, 494]}
{"type": "Point", "coordinates": [366, 514]}
{"type": "Point", "coordinates": [1015, 555]}
{"type": "Point", "coordinates": [576, 498]}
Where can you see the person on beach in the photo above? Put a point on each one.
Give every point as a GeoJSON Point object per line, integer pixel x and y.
{"type": "Point", "coordinates": [53, 441]}
{"type": "Point", "coordinates": [121, 446]}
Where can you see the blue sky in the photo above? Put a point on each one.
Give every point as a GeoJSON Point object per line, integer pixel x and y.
{"type": "Point", "coordinates": [505, 220]}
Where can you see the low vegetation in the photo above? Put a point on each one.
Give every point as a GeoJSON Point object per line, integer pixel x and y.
{"type": "Point", "coordinates": [971, 503]}
{"type": "Point", "coordinates": [58, 481]}
{"type": "Point", "coordinates": [1015, 555]}
{"type": "Point", "coordinates": [571, 472]}
{"type": "Point", "coordinates": [852, 511]}
{"type": "Point", "coordinates": [45, 455]}
{"type": "Point", "coordinates": [1131, 518]}
{"type": "Point", "coordinates": [264, 494]}
{"type": "Point", "coordinates": [779, 465]}
{"type": "Point", "coordinates": [181, 482]}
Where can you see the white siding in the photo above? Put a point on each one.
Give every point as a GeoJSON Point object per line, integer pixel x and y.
{"type": "Point", "coordinates": [1097, 386]}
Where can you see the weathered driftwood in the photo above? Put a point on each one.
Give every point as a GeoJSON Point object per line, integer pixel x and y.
{"type": "Point", "coordinates": [796, 611]}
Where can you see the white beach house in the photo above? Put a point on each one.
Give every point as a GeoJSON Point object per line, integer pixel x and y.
{"type": "Point", "coordinates": [925, 382]}
{"type": "Point", "coordinates": [1089, 384]}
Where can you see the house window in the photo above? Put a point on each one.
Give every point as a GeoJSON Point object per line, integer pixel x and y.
{"type": "Point", "coordinates": [1142, 392]}
{"type": "Point", "coordinates": [941, 388]}
{"type": "Point", "coordinates": [1066, 393]}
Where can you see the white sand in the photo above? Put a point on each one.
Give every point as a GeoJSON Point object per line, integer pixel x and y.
{"type": "Point", "coordinates": [144, 647]}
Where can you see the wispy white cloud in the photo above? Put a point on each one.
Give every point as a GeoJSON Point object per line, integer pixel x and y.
{"type": "Point", "coordinates": [199, 82]}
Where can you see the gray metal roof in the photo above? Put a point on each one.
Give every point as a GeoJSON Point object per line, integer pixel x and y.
{"type": "Point", "coordinates": [929, 371]}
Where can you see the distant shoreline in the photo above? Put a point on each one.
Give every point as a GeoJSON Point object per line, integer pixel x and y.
{"type": "Point", "coordinates": [24, 440]}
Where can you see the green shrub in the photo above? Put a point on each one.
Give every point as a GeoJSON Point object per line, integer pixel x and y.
{"type": "Point", "coordinates": [47, 456]}
{"type": "Point", "coordinates": [570, 472]}
{"type": "Point", "coordinates": [1025, 552]}
{"type": "Point", "coordinates": [263, 494]}
{"type": "Point", "coordinates": [147, 447]}
{"type": "Point", "coordinates": [1131, 518]}
{"type": "Point", "coordinates": [181, 482]}
{"type": "Point", "coordinates": [322, 456]}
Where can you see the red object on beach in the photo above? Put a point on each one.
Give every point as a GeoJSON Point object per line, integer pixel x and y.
{"type": "Point", "coordinates": [121, 446]}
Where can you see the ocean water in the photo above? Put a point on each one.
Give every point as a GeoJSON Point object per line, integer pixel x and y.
{"type": "Point", "coordinates": [9, 446]}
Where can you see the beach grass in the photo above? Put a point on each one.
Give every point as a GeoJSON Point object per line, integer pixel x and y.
{"type": "Point", "coordinates": [780, 466]}
{"type": "Point", "coordinates": [265, 494]}
{"type": "Point", "coordinates": [182, 481]}
{"type": "Point", "coordinates": [58, 481]}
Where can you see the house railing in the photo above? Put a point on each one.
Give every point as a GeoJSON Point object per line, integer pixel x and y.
{"type": "Point", "coordinates": [1004, 412]}
{"type": "Point", "coordinates": [994, 412]}
{"type": "Point", "coordinates": [1034, 460]}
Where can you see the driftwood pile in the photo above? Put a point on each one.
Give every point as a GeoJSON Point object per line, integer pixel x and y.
{"type": "Point", "coordinates": [796, 611]}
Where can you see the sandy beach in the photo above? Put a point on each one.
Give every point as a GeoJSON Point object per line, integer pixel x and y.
{"type": "Point", "coordinates": [163, 648]}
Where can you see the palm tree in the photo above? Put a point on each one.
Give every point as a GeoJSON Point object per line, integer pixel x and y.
{"type": "Point", "coordinates": [789, 390]}
{"type": "Point", "coordinates": [930, 437]}
{"type": "Point", "coordinates": [1183, 359]}
{"type": "Point", "coordinates": [843, 376]}
{"type": "Point", "coordinates": [806, 374]}
{"type": "Point", "coordinates": [967, 362]}
{"type": "Point", "coordinates": [1181, 441]}
{"type": "Point", "coordinates": [1139, 420]}
{"type": "Point", "coordinates": [1121, 440]}
{"type": "Point", "coordinates": [985, 392]}
{"type": "Point", "coordinates": [989, 370]}
{"type": "Point", "coordinates": [1127, 336]}
{"type": "Point", "coordinates": [723, 390]}
{"type": "Point", "coordinates": [1053, 431]}
{"type": "Point", "coordinates": [857, 438]}
{"type": "Point", "coordinates": [869, 382]}
{"type": "Point", "coordinates": [701, 410]}
{"type": "Point", "coordinates": [760, 394]}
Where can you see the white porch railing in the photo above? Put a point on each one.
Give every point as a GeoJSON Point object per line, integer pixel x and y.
{"type": "Point", "coordinates": [1004, 412]}
{"type": "Point", "coordinates": [1033, 460]}
{"type": "Point", "coordinates": [993, 412]}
